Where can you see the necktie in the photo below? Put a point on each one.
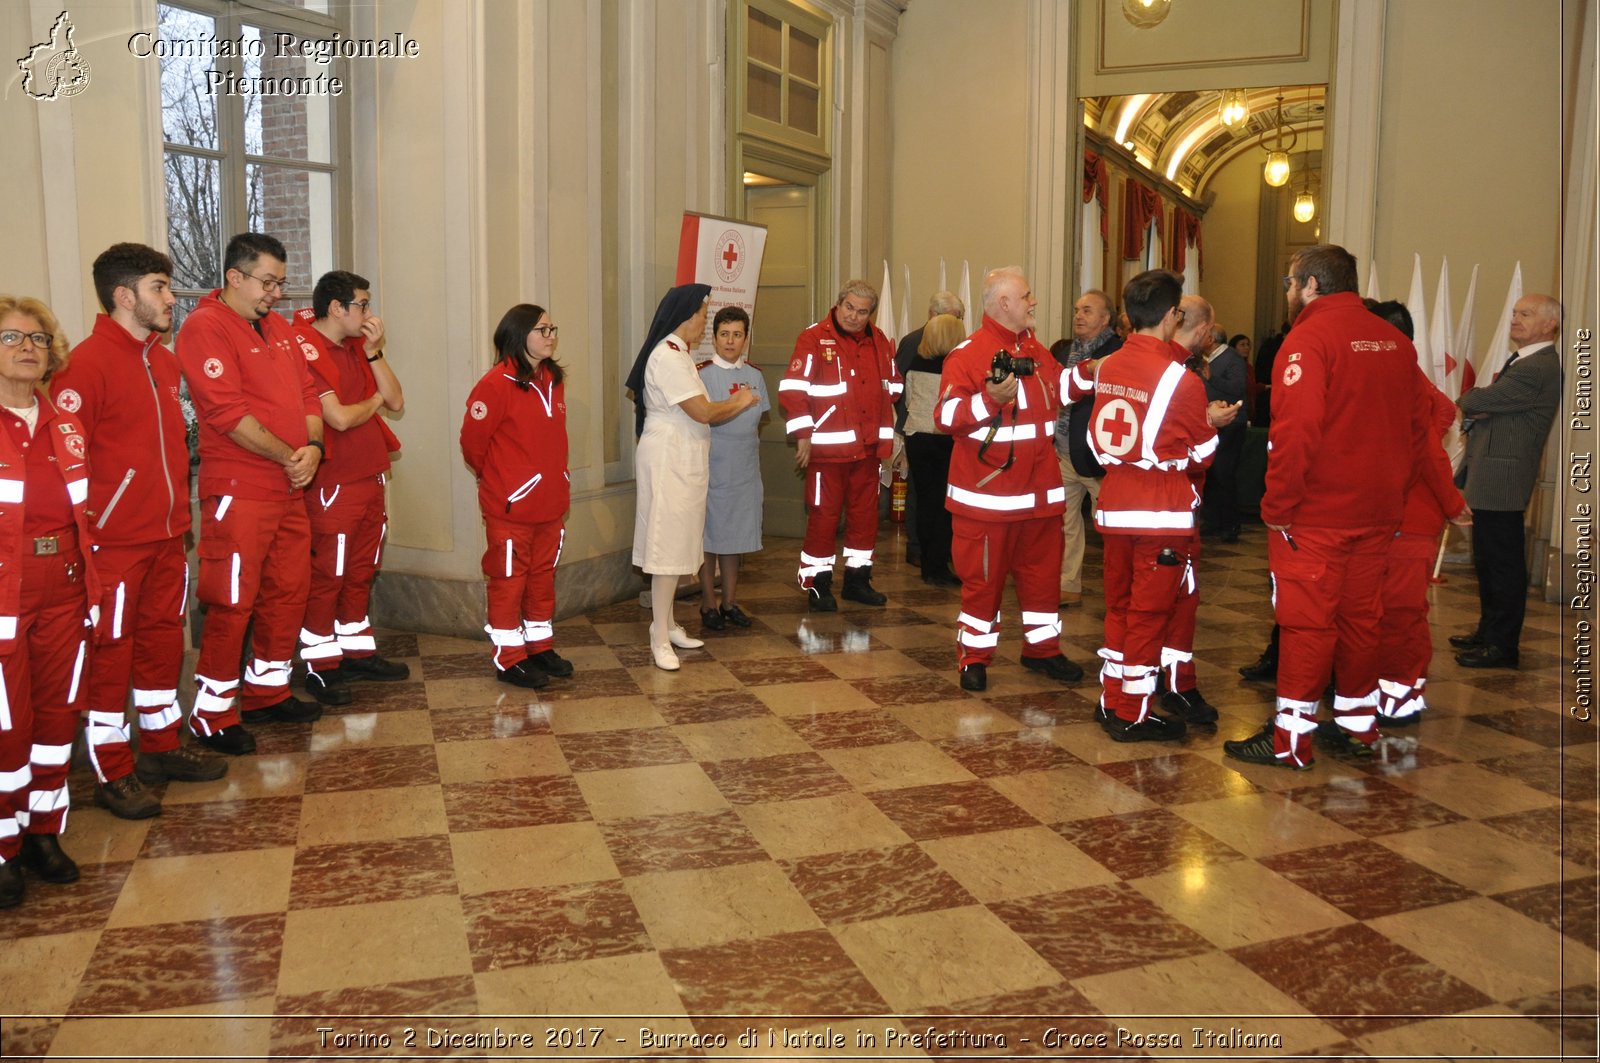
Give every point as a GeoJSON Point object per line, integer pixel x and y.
{"type": "Point", "coordinates": [1509, 363]}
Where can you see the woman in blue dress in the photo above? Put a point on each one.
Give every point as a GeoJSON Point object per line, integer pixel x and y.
{"type": "Point", "coordinates": [733, 503]}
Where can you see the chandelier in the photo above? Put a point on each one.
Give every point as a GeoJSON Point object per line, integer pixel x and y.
{"type": "Point", "coordinates": [1234, 108]}
{"type": "Point", "coordinates": [1276, 170]}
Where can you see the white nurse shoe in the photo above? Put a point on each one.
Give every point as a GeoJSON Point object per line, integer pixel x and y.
{"type": "Point", "coordinates": [680, 638]}
{"type": "Point", "coordinates": [665, 659]}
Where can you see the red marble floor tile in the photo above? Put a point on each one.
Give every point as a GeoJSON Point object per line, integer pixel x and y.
{"type": "Point", "coordinates": [892, 615]}
{"type": "Point", "coordinates": [458, 665]}
{"type": "Point", "coordinates": [592, 683]}
{"type": "Point", "coordinates": [886, 691]}
{"type": "Point", "coordinates": [947, 809]}
{"type": "Point", "coordinates": [27, 1038]}
{"type": "Point", "coordinates": [1365, 880]}
{"type": "Point", "coordinates": [552, 924]}
{"type": "Point", "coordinates": [1179, 778]}
{"type": "Point", "coordinates": [383, 697]}
{"type": "Point", "coordinates": [1098, 929]}
{"type": "Point", "coordinates": [1571, 1013]}
{"type": "Point", "coordinates": [1136, 844]}
{"type": "Point", "coordinates": [709, 706]}
{"type": "Point", "coordinates": [82, 905]}
{"type": "Point", "coordinates": [275, 739]}
{"type": "Point", "coordinates": [1022, 1019]}
{"type": "Point", "coordinates": [223, 827]}
{"type": "Point", "coordinates": [367, 872]}
{"type": "Point", "coordinates": [479, 722]}
{"type": "Point", "coordinates": [803, 973]}
{"type": "Point", "coordinates": [862, 884]}
{"type": "Point", "coordinates": [1396, 753]}
{"type": "Point", "coordinates": [765, 671]}
{"type": "Point", "coordinates": [630, 747]}
{"type": "Point", "coordinates": [786, 777]}
{"type": "Point", "coordinates": [1371, 806]}
{"type": "Point", "coordinates": [524, 802]}
{"type": "Point", "coordinates": [431, 1001]}
{"type": "Point", "coordinates": [1569, 830]}
{"type": "Point", "coordinates": [1357, 979]}
{"type": "Point", "coordinates": [681, 841]}
{"type": "Point", "coordinates": [1549, 771]}
{"type": "Point", "coordinates": [1007, 753]}
{"type": "Point", "coordinates": [1536, 725]}
{"type": "Point", "coordinates": [1043, 708]}
{"type": "Point", "coordinates": [850, 730]}
{"type": "Point", "coordinates": [173, 965]}
{"type": "Point", "coordinates": [397, 644]}
{"type": "Point", "coordinates": [1569, 907]}
{"type": "Point", "coordinates": [371, 768]}
{"type": "Point", "coordinates": [933, 658]}
{"type": "Point", "coordinates": [574, 632]}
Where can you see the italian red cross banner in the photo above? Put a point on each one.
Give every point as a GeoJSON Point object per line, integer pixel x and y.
{"type": "Point", "coordinates": [726, 254]}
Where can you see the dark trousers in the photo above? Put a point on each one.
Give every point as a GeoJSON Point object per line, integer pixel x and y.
{"type": "Point", "coordinates": [1498, 553]}
{"type": "Point", "coordinates": [928, 454]}
{"type": "Point", "coordinates": [1219, 511]}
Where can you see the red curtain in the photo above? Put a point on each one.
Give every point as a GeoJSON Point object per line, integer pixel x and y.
{"type": "Point", "coordinates": [1140, 205]}
{"type": "Point", "coordinates": [1097, 186]}
{"type": "Point", "coordinates": [1186, 230]}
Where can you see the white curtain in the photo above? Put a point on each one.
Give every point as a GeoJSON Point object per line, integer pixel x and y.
{"type": "Point", "coordinates": [1191, 270]}
{"type": "Point", "coordinates": [1091, 267]}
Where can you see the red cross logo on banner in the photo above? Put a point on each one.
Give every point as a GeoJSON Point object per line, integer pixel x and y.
{"type": "Point", "coordinates": [729, 256]}
{"type": "Point", "coordinates": [1116, 428]}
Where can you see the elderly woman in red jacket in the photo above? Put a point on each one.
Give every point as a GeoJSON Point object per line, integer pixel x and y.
{"type": "Point", "coordinates": [45, 591]}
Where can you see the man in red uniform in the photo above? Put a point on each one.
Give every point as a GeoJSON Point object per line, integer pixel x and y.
{"type": "Point", "coordinates": [1005, 494]}
{"type": "Point", "coordinates": [1350, 430]}
{"type": "Point", "coordinates": [260, 445]}
{"type": "Point", "coordinates": [122, 386]}
{"type": "Point", "coordinates": [343, 343]}
{"type": "Point", "coordinates": [838, 404]}
{"type": "Point", "coordinates": [1150, 432]}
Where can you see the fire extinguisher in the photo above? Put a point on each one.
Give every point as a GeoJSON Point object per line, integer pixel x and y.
{"type": "Point", "coordinates": [897, 497]}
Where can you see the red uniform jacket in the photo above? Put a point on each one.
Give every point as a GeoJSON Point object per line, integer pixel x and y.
{"type": "Point", "coordinates": [67, 440]}
{"type": "Point", "coordinates": [232, 371]}
{"type": "Point", "coordinates": [342, 368]}
{"type": "Point", "coordinates": [980, 484]}
{"type": "Point", "coordinates": [839, 392]}
{"type": "Point", "coordinates": [514, 438]}
{"type": "Point", "coordinates": [1351, 426]}
{"type": "Point", "coordinates": [1149, 432]}
{"type": "Point", "coordinates": [1423, 513]}
{"type": "Point", "coordinates": [123, 393]}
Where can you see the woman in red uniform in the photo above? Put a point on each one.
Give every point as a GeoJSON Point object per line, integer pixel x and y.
{"type": "Point", "coordinates": [514, 438]}
{"type": "Point", "coordinates": [45, 591]}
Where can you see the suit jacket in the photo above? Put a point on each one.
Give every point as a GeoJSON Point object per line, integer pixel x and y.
{"type": "Point", "coordinates": [1229, 380]}
{"type": "Point", "coordinates": [903, 354]}
{"type": "Point", "coordinates": [1503, 449]}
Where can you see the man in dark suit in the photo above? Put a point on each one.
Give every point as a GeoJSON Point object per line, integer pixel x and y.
{"type": "Point", "coordinates": [942, 302]}
{"type": "Point", "coordinates": [1227, 379]}
{"type": "Point", "coordinates": [1509, 422]}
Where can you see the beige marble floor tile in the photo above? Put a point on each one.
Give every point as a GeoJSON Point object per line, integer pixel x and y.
{"type": "Point", "coordinates": [1090, 744]}
{"type": "Point", "coordinates": [1501, 952]}
{"type": "Point", "coordinates": [179, 889]}
{"type": "Point", "coordinates": [479, 690]}
{"type": "Point", "coordinates": [1465, 740]}
{"type": "Point", "coordinates": [1478, 1037]}
{"type": "Point", "coordinates": [1325, 770]}
{"type": "Point", "coordinates": [278, 775]}
{"type": "Point", "coordinates": [95, 836]}
{"type": "Point", "coordinates": [372, 815]}
{"type": "Point", "coordinates": [624, 793]}
{"type": "Point", "coordinates": [173, 1033]}
{"type": "Point", "coordinates": [702, 674]}
{"type": "Point", "coordinates": [373, 944]}
{"type": "Point", "coordinates": [896, 765]}
{"type": "Point", "coordinates": [522, 857]}
{"type": "Point", "coordinates": [500, 758]}
{"type": "Point", "coordinates": [792, 829]}
{"type": "Point", "coordinates": [363, 730]}
{"type": "Point", "coordinates": [1472, 791]}
{"type": "Point", "coordinates": [1075, 792]}
{"type": "Point", "coordinates": [952, 719]}
{"type": "Point", "coordinates": [440, 645]}
{"type": "Point", "coordinates": [603, 714]}
{"type": "Point", "coordinates": [614, 985]}
{"type": "Point", "coordinates": [870, 665]}
{"type": "Point", "coordinates": [751, 647]}
{"type": "Point", "coordinates": [40, 975]}
{"type": "Point", "coordinates": [1238, 902]}
{"type": "Point", "coordinates": [1002, 865]}
{"type": "Point", "coordinates": [1211, 984]}
{"type": "Point", "coordinates": [755, 736]}
{"type": "Point", "coordinates": [935, 958]}
{"type": "Point", "coordinates": [687, 909]}
{"type": "Point", "coordinates": [804, 699]}
{"type": "Point", "coordinates": [914, 636]}
{"type": "Point", "coordinates": [1263, 824]}
{"type": "Point", "coordinates": [1481, 857]}
{"type": "Point", "coordinates": [587, 658]}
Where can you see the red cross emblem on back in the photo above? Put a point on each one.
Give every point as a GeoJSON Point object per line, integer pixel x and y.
{"type": "Point", "coordinates": [729, 257]}
{"type": "Point", "coordinates": [1116, 427]}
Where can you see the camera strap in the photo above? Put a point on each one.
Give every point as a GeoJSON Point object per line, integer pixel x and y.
{"type": "Point", "coordinates": [988, 440]}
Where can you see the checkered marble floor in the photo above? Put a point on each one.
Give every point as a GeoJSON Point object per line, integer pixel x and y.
{"type": "Point", "coordinates": [812, 832]}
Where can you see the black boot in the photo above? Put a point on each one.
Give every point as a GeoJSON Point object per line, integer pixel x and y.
{"type": "Point", "coordinates": [858, 587]}
{"type": "Point", "coordinates": [821, 594]}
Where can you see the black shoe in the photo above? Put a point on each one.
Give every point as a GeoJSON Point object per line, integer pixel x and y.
{"type": "Point", "coordinates": [1259, 749]}
{"type": "Point", "coordinates": [551, 663]}
{"type": "Point", "coordinates": [858, 587]}
{"type": "Point", "coordinates": [1105, 718]}
{"type": "Point", "coordinates": [1487, 657]}
{"type": "Point", "coordinates": [184, 764]}
{"type": "Point", "coordinates": [1335, 739]}
{"type": "Point", "coordinates": [735, 616]}
{"type": "Point", "coordinates": [126, 798]}
{"type": "Point", "coordinates": [1265, 668]}
{"type": "Point", "coordinates": [975, 677]}
{"type": "Point", "coordinates": [234, 741]}
{"type": "Point", "coordinates": [1189, 706]}
{"type": "Point", "coordinates": [523, 674]}
{"type": "Point", "coordinates": [1057, 668]}
{"type": "Point", "coordinates": [820, 594]}
{"type": "Point", "coordinates": [1152, 728]}
{"type": "Point", "coordinates": [1410, 719]}
{"type": "Point", "coordinates": [1466, 642]}
{"type": "Point", "coordinates": [41, 854]}
{"type": "Point", "coordinates": [329, 688]}
{"type": "Point", "coordinates": [1231, 535]}
{"type": "Point", "coordinates": [913, 555]}
{"type": "Point", "coordinates": [941, 579]}
{"type": "Point", "coordinates": [375, 669]}
{"type": "Point", "coordinates": [11, 884]}
{"type": "Point", "coordinates": [292, 710]}
{"type": "Point", "coordinates": [711, 620]}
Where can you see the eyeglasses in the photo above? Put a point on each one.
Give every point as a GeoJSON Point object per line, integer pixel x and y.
{"type": "Point", "coordinates": [13, 338]}
{"type": "Point", "coordinates": [268, 284]}
{"type": "Point", "coordinates": [360, 304]}
{"type": "Point", "coordinates": [1289, 282]}
{"type": "Point", "coordinates": [547, 331]}
{"type": "Point", "coordinates": [1179, 311]}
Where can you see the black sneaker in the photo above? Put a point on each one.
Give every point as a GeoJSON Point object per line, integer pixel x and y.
{"type": "Point", "coordinates": [1057, 668]}
{"type": "Point", "coordinates": [374, 669]}
{"type": "Point", "coordinates": [184, 764]}
{"type": "Point", "coordinates": [1189, 706]}
{"type": "Point", "coordinates": [975, 677]}
{"type": "Point", "coordinates": [1336, 739]}
{"type": "Point", "coordinates": [328, 687]}
{"type": "Point", "coordinates": [735, 616]}
{"type": "Point", "coordinates": [1259, 749]}
{"type": "Point", "coordinates": [711, 620]}
{"type": "Point", "coordinates": [234, 741]}
{"type": "Point", "coordinates": [523, 674]}
{"type": "Point", "coordinates": [290, 710]}
{"type": "Point", "coordinates": [1152, 728]}
{"type": "Point", "coordinates": [551, 663]}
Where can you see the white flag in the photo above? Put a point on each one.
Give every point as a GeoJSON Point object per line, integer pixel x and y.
{"type": "Point", "coordinates": [1419, 320]}
{"type": "Point", "coordinates": [966, 297]}
{"type": "Point", "coordinates": [1439, 337]}
{"type": "Point", "coordinates": [944, 285]}
{"type": "Point", "coordinates": [905, 301]}
{"type": "Point", "coordinates": [1497, 349]}
{"type": "Point", "coordinates": [1372, 281]}
{"type": "Point", "coordinates": [885, 321]}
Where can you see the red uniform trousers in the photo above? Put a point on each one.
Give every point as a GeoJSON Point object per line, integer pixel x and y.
{"type": "Point", "coordinates": [1326, 589]}
{"type": "Point", "coordinates": [520, 561]}
{"type": "Point", "coordinates": [348, 525]}
{"type": "Point", "coordinates": [1407, 646]}
{"type": "Point", "coordinates": [983, 552]}
{"type": "Point", "coordinates": [1150, 615]}
{"type": "Point", "coordinates": [41, 695]}
{"type": "Point", "coordinates": [139, 643]}
{"type": "Point", "coordinates": [255, 563]}
{"type": "Point", "coordinates": [833, 487]}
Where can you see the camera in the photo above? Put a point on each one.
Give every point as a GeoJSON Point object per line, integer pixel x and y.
{"type": "Point", "coordinates": [1004, 365]}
